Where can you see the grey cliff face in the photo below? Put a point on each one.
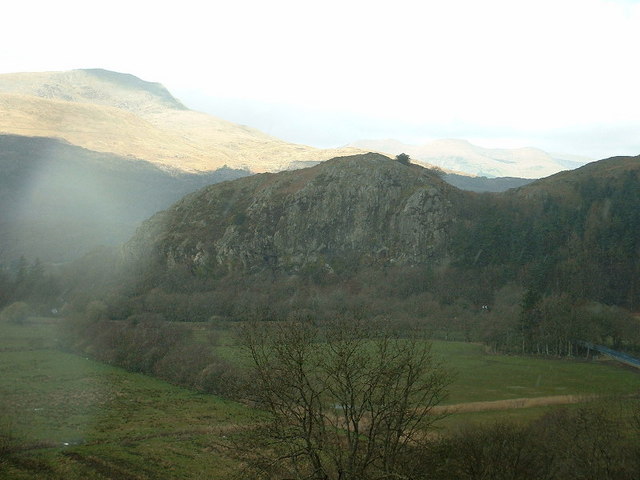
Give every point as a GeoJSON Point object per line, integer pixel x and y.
{"type": "Point", "coordinates": [364, 209]}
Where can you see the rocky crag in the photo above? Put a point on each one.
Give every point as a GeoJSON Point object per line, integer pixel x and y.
{"type": "Point", "coordinates": [363, 209]}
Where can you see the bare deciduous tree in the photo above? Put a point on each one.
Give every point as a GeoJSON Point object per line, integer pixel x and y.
{"type": "Point", "coordinates": [347, 400]}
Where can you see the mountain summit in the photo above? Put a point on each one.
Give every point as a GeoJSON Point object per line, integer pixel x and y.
{"type": "Point", "coordinates": [93, 86]}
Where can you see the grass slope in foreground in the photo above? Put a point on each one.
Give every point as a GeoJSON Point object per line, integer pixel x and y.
{"type": "Point", "coordinates": [66, 417]}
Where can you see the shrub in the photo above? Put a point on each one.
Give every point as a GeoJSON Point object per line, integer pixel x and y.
{"type": "Point", "coordinates": [404, 159]}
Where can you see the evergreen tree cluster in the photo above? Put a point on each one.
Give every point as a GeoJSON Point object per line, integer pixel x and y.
{"type": "Point", "coordinates": [29, 282]}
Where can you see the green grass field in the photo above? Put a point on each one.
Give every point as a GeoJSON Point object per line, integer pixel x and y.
{"type": "Point", "coordinates": [68, 417]}
{"type": "Point", "coordinates": [482, 376]}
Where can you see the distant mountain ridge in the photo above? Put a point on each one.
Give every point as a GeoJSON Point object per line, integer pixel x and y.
{"type": "Point", "coordinates": [119, 113]}
{"type": "Point", "coordinates": [484, 184]}
{"type": "Point", "coordinates": [462, 156]}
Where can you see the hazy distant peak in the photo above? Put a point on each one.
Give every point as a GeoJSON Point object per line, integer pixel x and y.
{"type": "Point", "coordinates": [457, 142]}
{"type": "Point", "coordinates": [387, 145]}
{"type": "Point", "coordinates": [463, 156]}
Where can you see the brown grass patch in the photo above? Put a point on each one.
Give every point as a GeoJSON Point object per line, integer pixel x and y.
{"type": "Point", "coordinates": [512, 404]}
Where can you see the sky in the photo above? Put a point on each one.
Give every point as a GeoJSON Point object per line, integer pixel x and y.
{"type": "Point", "coordinates": [561, 75]}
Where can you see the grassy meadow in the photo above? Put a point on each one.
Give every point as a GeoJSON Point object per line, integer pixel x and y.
{"type": "Point", "coordinates": [482, 377]}
{"type": "Point", "coordinates": [68, 417]}
{"type": "Point", "coordinates": [65, 416]}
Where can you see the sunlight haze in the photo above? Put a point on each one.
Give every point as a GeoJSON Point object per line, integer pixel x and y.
{"type": "Point", "coordinates": [558, 75]}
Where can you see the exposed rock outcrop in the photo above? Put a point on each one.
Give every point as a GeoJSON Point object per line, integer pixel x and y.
{"type": "Point", "coordinates": [361, 209]}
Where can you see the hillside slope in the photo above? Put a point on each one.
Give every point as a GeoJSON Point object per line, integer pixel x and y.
{"type": "Point", "coordinates": [59, 201]}
{"type": "Point", "coordinates": [575, 232]}
{"type": "Point", "coordinates": [121, 114]}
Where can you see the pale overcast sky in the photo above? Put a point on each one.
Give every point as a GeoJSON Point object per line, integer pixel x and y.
{"type": "Point", "coordinates": [562, 75]}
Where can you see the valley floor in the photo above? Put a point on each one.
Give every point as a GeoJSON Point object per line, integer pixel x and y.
{"type": "Point", "coordinates": [63, 416]}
